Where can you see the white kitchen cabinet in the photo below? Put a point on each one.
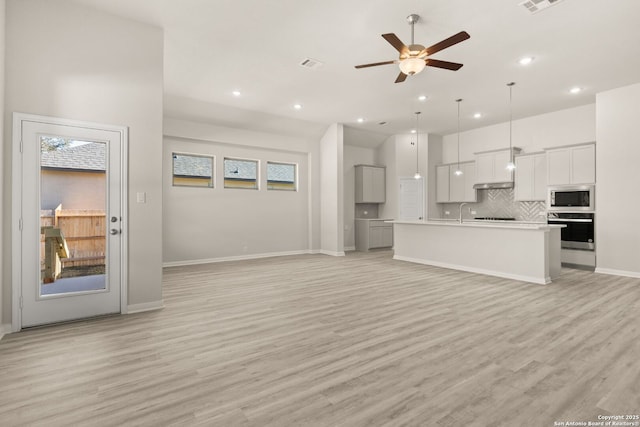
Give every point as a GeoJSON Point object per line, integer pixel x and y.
{"type": "Point", "coordinates": [373, 233]}
{"type": "Point", "coordinates": [455, 188]}
{"type": "Point", "coordinates": [370, 184]}
{"type": "Point", "coordinates": [531, 177]}
{"type": "Point", "coordinates": [491, 166]}
{"type": "Point", "coordinates": [571, 165]}
{"type": "Point", "coordinates": [442, 184]}
{"type": "Point", "coordinates": [461, 186]}
{"type": "Point", "coordinates": [583, 164]}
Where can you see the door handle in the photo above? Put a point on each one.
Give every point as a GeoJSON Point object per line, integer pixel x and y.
{"type": "Point", "coordinates": [114, 231]}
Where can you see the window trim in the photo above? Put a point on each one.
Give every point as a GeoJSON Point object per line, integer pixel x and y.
{"type": "Point", "coordinates": [239, 159]}
{"type": "Point", "coordinates": [213, 170]}
{"type": "Point", "coordinates": [295, 176]}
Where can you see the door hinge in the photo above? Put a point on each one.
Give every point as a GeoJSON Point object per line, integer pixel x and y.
{"type": "Point", "coordinates": [21, 301]}
{"type": "Point", "coordinates": [20, 224]}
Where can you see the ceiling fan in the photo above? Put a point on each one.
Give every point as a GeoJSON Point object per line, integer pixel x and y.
{"type": "Point", "coordinates": [415, 57]}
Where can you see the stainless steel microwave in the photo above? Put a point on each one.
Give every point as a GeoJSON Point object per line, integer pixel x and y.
{"type": "Point", "coordinates": [570, 198]}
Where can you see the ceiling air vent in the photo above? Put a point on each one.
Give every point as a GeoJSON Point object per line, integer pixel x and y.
{"type": "Point", "coordinates": [535, 6]}
{"type": "Point", "coordinates": [311, 63]}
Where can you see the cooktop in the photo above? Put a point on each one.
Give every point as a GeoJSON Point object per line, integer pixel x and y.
{"type": "Point", "coordinates": [494, 218]}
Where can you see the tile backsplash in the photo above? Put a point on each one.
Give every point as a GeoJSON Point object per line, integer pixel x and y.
{"type": "Point", "coordinates": [498, 203]}
{"type": "Point", "coordinates": [366, 210]}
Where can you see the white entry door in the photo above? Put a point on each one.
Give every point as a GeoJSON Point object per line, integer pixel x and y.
{"type": "Point", "coordinates": [68, 197]}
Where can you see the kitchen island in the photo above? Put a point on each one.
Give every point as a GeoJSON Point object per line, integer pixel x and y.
{"type": "Point", "coordinates": [528, 252]}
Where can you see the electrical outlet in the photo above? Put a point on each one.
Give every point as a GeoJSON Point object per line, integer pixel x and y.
{"type": "Point", "coordinates": [473, 212]}
{"type": "Point", "coordinates": [447, 212]}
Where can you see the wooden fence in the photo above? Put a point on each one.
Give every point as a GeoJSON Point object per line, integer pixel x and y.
{"type": "Point", "coordinates": [84, 232]}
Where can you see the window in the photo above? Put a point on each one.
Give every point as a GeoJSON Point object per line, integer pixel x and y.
{"type": "Point", "coordinates": [240, 174]}
{"type": "Point", "coordinates": [281, 176]}
{"type": "Point", "coordinates": [192, 170]}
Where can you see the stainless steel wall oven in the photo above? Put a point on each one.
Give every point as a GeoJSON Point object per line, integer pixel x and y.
{"type": "Point", "coordinates": [579, 232]}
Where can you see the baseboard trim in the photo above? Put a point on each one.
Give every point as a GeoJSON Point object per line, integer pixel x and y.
{"type": "Point", "coordinates": [332, 253]}
{"type": "Point", "coordinates": [613, 272]}
{"type": "Point", "coordinates": [535, 280]}
{"type": "Point", "coordinates": [349, 248]}
{"type": "Point", "coordinates": [145, 306]}
{"type": "Point", "coordinates": [5, 329]}
{"type": "Point", "coordinates": [234, 258]}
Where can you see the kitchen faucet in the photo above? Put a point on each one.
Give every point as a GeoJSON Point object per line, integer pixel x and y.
{"type": "Point", "coordinates": [460, 217]}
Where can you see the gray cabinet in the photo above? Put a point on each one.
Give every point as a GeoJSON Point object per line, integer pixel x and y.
{"type": "Point", "coordinates": [531, 177]}
{"type": "Point", "coordinates": [370, 184]}
{"type": "Point", "coordinates": [372, 234]}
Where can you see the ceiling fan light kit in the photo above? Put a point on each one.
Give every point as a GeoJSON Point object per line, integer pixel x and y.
{"type": "Point", "coordinates": [415, 57]}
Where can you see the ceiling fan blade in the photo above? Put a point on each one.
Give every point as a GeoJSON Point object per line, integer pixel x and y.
{"type": "Point", "coordinates": [401, 77]}
{"type": "Point", "coordinates": [443, 64]}
{"type": "Point", "coordinates": [375, 64]}
{"type": "Point", "coordinates": [395, 42]}
{"type": "Point", "coordinates": [455, 39]}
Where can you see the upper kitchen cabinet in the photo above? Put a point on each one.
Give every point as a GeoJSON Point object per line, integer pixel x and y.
{"type": "Point", "coordinates": [531, 177]}
{"type": "Point", "coordinates": [491, 166]}
{"type": "Point", "coordinates": [455, 188]}
{"type": "Point", "coordinates": [370, 184]}
{"type": "Point", "coordinates": [572, 165]}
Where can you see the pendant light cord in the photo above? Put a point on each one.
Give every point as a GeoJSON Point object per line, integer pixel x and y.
{"type": "Point", "coordinates": [511, 121]}
{"type": "Point", "coordinates": [458, 101]}
{"type": "Point", "coordinates": [417, 139]}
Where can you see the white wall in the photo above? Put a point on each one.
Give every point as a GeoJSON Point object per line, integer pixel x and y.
{"type": "Point", "coordinates": [2, 149]}
{"type": "Point", "coordinates": [564, 127]}
{"type": "Point", "coordinates": [67, 60]}
{"type": "Point", "coordinates": [205, 225]}
{"type": "Point", "coordinates": [434, 157]}
{"type": "Point", "coordinates": [618, 178]}
{"type": "Point", "coordinates": [399, 156]}
{"type": "Point", "coordinates": [353, 156]}
{"type": "Point", "coordinates": [386, 156]}
{"type": "Point", "coordinates": [331, 191]}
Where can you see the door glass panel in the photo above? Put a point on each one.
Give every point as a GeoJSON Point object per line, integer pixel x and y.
{"type": "Point", "coordinates": [73, 188]}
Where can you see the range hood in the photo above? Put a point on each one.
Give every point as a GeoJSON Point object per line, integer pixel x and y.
{"type": "Point", "coordinates": [493, 185]}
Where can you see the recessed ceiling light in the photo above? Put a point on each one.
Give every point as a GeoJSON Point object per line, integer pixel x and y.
{"type": "Point", "coordinates": [575, 90]}
{"type": "Point", "coordinates": [477, 115]}
{"type": "Point", "coordinates": [413, 131]}
{"type": "Point", "coordinates": [360, 120]}
{"type": "Point", "coordinates": [526, 60]}
{"type": "Point", "coordinates": [297, 106]}
{"type": "Point", "coordinates": [422, 98]}
{"type": "Point", "coordinates": [236, 93]}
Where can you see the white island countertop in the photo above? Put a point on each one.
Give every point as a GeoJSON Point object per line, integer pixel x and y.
{"type": "Point", "coordinates": [520, 225]}
{"type": "Point", "coordinates": [523, 251]}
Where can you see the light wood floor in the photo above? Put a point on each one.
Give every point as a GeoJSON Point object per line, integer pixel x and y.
{"type": "Point", "coordinates": [356, 341]}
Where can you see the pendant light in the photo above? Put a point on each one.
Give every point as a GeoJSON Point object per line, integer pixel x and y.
{"type": "Point", "coordinates": [458, 171]}
{"type": "Point", "coordinates": [417, 175]}
{"type": "Point", "coordinates": [511, 165]}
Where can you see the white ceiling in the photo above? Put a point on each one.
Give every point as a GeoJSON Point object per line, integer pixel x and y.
{"type": "Point", "coordinates": [213, 47]}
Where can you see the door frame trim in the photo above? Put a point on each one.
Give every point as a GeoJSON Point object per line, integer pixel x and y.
{"type": "Point", "coordinates": [16, 209]}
